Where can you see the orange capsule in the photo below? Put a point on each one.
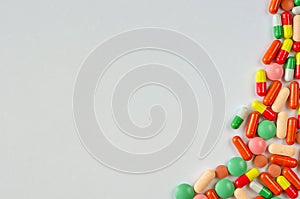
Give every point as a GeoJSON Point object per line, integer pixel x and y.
{"type": "Point", "coordinates": [272, 93]}
{"type": "Point", "coordinates": [272, 51]}
{"type": "Point", "coordinates": [292, 177]}
{"type": "Point", "coordinates": [211, 194]}
{"type": "Point", "coordinates": [242, 148]}
{"type": "Point", "coordinates": [274, 6]}
{"type": "Point", "coordinates": [294, 95]}
{"type": "Point", "coordinates": [270, 183]}
{"type": "Point", "coordinates": [252, 124]}
{"type": "Point", "coordinates": [291, 131]}
{"type": "Point", "coordinates": [259, 197]}
{"type": "Point", "coordinates": [283, 161]}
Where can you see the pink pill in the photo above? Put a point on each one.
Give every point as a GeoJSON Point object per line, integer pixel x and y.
{"type": "Point", "coordinates": [200, 196]}
{"type": "Point", "coordinates": [274, 71]}
{"type": "Point", "coordinates": [257, 145]}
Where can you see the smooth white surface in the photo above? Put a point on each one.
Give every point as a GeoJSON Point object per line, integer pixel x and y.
{"type": "Point", "coordinates": [42, 47]}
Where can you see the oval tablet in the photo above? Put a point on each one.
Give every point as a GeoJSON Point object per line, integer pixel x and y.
{"type": "Point", "coordinates": [204, 181]}
{"type": "Point", "coordinates": [281, 125]}
{"type": "Point", "coordinates": [296, 28]}
{"type": "Point", "coordinates": [281, 99]}
{"type": "Point", "coordinates": [280, 149]}
{"type": "Point", "coordinates": [240, 194]}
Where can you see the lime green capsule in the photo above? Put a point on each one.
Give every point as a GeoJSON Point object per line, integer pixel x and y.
{"type": "Point", "coordinates": [297, 2]}
{"type": "Point", "coordinates": [261, 190]}
{"type": "Point", "coordinates": [277, 26]}
{"type": "Point", "coordinates": [240, 117]}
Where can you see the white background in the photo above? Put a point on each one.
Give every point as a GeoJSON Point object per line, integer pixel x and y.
{"type": "Point", "coordinates": [42, 45]}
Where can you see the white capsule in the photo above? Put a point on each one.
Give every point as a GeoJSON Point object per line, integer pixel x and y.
{"type": "Point", "coordinates": [296, 10]}
{"type": "Point", "coordinates": [255, 186]}
{"type": "Point", "coordinates": [288, 74]}
{"type": "Point", "coordinates": [243, 112]}
{"type": "Point", "coordinates": [277, 20]}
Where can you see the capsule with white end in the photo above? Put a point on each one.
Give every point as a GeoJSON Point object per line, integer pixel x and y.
{"type": "Point", "coordinates": [240, 117]}
{"type": "Point", "coordinates": [290, 69]}
{"type": "Point", "coordinates": [260, 189]}
{"type": "Point", "coordinates": [296, 10]}
{"type": "Point", "coordinates": [296, 28]}
{"type": "Point", "coordinates": [277, 26]}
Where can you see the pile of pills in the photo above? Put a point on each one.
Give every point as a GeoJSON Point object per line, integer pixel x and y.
{"type": "Point", "coordinates": [271, 136]}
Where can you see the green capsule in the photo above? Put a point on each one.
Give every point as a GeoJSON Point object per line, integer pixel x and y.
{"type": "Point", "coordinates": [266, 193]}
{"type": "Point", "coordinates": [297, 2]}
{"type": "Point", "coordinates": [277, 26]}
{"type": "Point", "coordinates": [260, 189]}
{"type": "Point", "coordinates": [290, 63]}
{"type": "Point", "coordinates": [240, 117]}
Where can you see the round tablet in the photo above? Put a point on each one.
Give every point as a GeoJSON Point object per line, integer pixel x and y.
{"type": "Point", "coordinates": [200, 196]}
{"type": "Point", "coordinates": [221, 171]}
{"type": "Point", "coordinates": [266, 129]}
{"type": "Point", "coordinates": [260, 161]}
{"type": "Point", "coordinates": [184, 191]}
{"type": "Point", "coordinates": [274, 170]}
{"type": "Point", "coordinates": [274, 71]}
{"type": "Point", "coordinates": [224, 188]}
{"type": "Point", "coordinates": [298, 137]}
{"type": "Point", "coordinates": [237, 166]}
{"type": "Point", "coordinates": [287, 5]}
{"type": "Point", "coordinates": [257, 145]}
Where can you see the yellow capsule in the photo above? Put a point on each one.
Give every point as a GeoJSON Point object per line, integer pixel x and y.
{"type": "Point", "coordinates": [283, 182]}
{"type": "Point", "coordinates": [261, 76]}
{"type": "Point", "coordinates": [287, 31]}
{"type": "Point", "coordinates": [287, 45]}
{"type": "Point", "coordinates": [258, 106]}
{"type": "Point", "coordinates": [298, 58]}
{"type": "Point", "coordinates": [252, 174]}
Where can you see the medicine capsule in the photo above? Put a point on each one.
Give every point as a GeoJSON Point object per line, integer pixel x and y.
{"type": "Point", "coordinates": [272, 51]}
{"type": "Point", "coordinates": [240, 194]}
{"type": "Point", "coordinates": [294, 95]}
{"type": "Point", "coordinates": [280, 149]}
{"type": "Point", "coordinates": [281, 99]}
{"type": "Point", "coordinates": [204, 181]}
{"type": "Point", "coordinates": [296, 46]}
{"type": "Point", "coordinates": [272, 93]}
{"type": "Point", "coordinates": [292, 177]}
{"type": "Point", "coordinates": [289, 69]}
{"type": "Point", "coordinates": [242, 148]}
{"type": "Point", "coordinates": [246, 178]}
{"type": "Point", "coordinates": [284, 51]}
{"type": "Point", "coordinates": [287, 21]}
{"type": "Point", "coordinates": [277, 26]}
{"type": "Point", "coordinates": [211, 194]}
{"type": "Point", "coordinates": [260, 189]}
{"type": "Point", "coordinates": [296, 10]}
{"type": "Point", "coordinates": [270, 183]}
{"type": "Point", "coordinates": [265, 111]}
{"type": "Point", "coordinates": [240, 117]}
{"type": "Point", "coordinates": [283, 161]}
{"type": "Point", "coordinates": [252, 124]}
{"type": "Point", "coordinates": [298, 123]}
{"type": "Point", "coordinates": [281, 125]}
{"type": "Point", "coordinates": [261, 83]}
{"type": "Point", "coordinates": [289, 189]}
{"type": "Point", "coordinates": [274, 6]}
{"type": "Point", "coordinates": [291, 131]}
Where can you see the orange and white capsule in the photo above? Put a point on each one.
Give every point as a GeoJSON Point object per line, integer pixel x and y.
{"type": "Point", "coordinates": [261, 82]}
{"type": "Point", "coordinates": [296, 28]}
{"type": "Point", "coordinates": [294, 95]}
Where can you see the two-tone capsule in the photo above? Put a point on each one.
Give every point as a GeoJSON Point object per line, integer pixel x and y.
{"type": "Point", "coordinates": [298, 118]}
{"type": "Point", "coordinates": [240, 117]}
{"type": "Point", "coordinates": [272, 51]}
{"type": "Point", "coordinates": [246, 178]}
{"type": "Point", "coordinates": [297, 67]}
{"type": "Point", "coordinates": [264, 110]}
{"type": "Point", "coordinates": [277, 26]}
{"type": "Point", "coordinates": [287, 21]}
{"type": "Point", "coordinates": [284, 51]}
{"type": "Point", "coordinates": [261, 82]}
{"type": "Point", "coordinates": [289, 69]}
{"type": "Point", "coordinates": [260, 189]}
{"type": "Point", "coordinates": [288, 188]}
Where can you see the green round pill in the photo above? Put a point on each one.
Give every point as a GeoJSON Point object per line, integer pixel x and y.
{"type": "Point", "coordinates": [266, 129]}
{"type": "Point", "coordinates": [237, 166]}
{"type": "Point", "coordinates": [224, 188]}
{"type": "Point", "coordinates": [184, 191]}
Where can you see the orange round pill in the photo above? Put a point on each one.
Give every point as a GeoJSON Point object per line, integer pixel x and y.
{"type": "Point", "coordinates": [274, 170]}
{"type": "Point", "coordinates": [221, 171]}
{"type": "Point", "coordinates": [298, 137]}
{"type": "Point", "coordinates": [287, 5]}
{"type": "Point", "coordinates": [260, 161]}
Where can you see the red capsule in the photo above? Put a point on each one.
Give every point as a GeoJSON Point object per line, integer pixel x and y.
{"type": "Point", "coordinates": [296, 46]}
{"type": "Point", "coordinates": [211, 194]}
{"type": "Point", "coordinates": [292, 177]}
{"type": "Point", "coordinates": [286, 18]}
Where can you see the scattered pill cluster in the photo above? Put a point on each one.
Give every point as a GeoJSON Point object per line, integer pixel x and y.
{"type": "Point", "coordinates": [274, 174]}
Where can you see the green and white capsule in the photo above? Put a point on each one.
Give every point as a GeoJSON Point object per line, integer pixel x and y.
{"type": "Point", "coordinates": [289, 69]}
{"type": "Point", "coordinates": [260, 189]}
{"type": "Point", "coordinates": [277, 26]}
{"type": "Point", "coordinates": [296, 10]}
{"type": "Point", "coordinates": [240, 117]}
